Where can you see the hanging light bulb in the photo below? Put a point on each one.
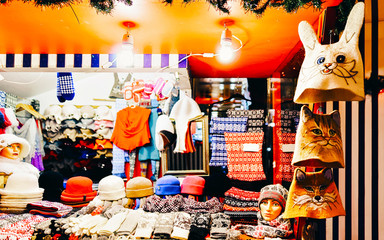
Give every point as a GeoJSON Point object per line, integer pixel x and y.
{"type": "Point", "coordinates": [126, 58]}
{"type": "Point", "coordinates": [226, 52]}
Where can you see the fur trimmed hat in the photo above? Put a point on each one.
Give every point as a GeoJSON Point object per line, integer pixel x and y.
{"type": "Point", "coordinates": [276, 192]}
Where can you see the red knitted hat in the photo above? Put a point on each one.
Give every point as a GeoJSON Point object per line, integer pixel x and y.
{"type": "Point", "coordinates": [193, 185]}
{"type": "Point", "coordinates": [78, 189]}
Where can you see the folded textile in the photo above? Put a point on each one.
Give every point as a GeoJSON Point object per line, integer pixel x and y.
{"type": "Point", "coordinates": [220, 225]}
{"type": "Point", "coordinates": [182, 225]}
{"type": "Point", "coordinates": [164, 225]}
{"type": "Point", "coordinates": [47, 206]}
{"type": "Point", "coordinates": [242, 194]}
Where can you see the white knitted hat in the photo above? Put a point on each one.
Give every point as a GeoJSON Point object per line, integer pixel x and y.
{"type": "Point", "coordinates": [70, 112]}
{"type": "Point", "coordinates": [184, 111]}
{"type": "Point", "coordinates": [103, 113]}
{"type": "Point", "coordinates": [53, 112]}
{"type": "Point", "coordinates": [111, 188]}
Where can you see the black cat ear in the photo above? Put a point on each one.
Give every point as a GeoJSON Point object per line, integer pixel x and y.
{"type": "Point", "coordinates": [306, 113]}
{"type": "Point", "coordinates": [327, 172]}
{"type": "Point", "coordinates": [300, 175]}
{"type": "Point", "coordinates": [336, 117]}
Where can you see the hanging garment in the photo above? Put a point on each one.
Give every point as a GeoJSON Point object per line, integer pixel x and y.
{"type": "Point", "coordinates": [149, 150]}
{"type": "Point", "coordinates": [244, 156]}
{"type": "Point", "coordinates": [219, 125]}
{"type": "Point", "coordinates": [285, 171]}
{"type": "Point", "coordinates": [255, 118]}
{"type": "Point", "coordinates": [131, 128]}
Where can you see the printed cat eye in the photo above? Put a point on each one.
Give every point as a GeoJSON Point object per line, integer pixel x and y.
{"type": "Point", "coordinates": [340, 59]}
{"type": "Point", "coordinates": [317, 131]}
{"type": "Point", "coordinates": [320, 60]}
{"type": "Point", "coordinates": [332, 132]}
{"type": "Point", "coordinates": [309, 189]}
{"type": "Point", "coordinates": [323, 187]}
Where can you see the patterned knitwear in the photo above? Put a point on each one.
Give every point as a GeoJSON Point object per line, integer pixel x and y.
{"type": "Point", "coordinates": [163, 205]}
{"type": "Point", "coordinates": [220, 225]}
{"type": "Point", "coordinates": [285, 168]}
{"type": "Point", "coordinates": [255, 118]}
{"type": "Point", "coordinates": [200, 226]}
{"type": "Point", "coordinates": [21, 229]}
{"type": "Point", "coordinates": [146, 225]}
{"type": "Point", "coordinates": [164, 225]}
{"type": "Point", "coordinates": [181, 226]}
{"type": "Point", "coordinates": [213, 205]}
{"type": "Point", "coordinates": [244, 156]}
{"type": "Point", "coordinates": [219, 125]}
{"type": "Point", "coordinates": [277, 228]}
{"type": "Point", "coordinates": [48, 208]}
{"type": "Point", "coordinates": [241, 202]}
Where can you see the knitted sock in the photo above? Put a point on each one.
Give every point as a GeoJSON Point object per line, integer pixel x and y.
{"type": "Point", "coordinates": [66, 85]}
{"type": "Point", "coordinates": [200, 226]}
{"type": "Point", "coordinates": [58, 91]}
{"type": "Point", "coordinates": [130, 223]}
{"type": "Point", "coordinates": [143, 167]}
{"type": "Point", "coordinates": [146, 225]}
{"type": "Point", "coordinates": [132, 161]}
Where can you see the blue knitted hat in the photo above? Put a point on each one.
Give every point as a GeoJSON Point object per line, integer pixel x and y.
{"type": "Point", "coordinates": [167, 185]}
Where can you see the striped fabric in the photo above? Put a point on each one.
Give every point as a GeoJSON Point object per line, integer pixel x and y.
{"type": "Point", "coordinates": [89, 61]}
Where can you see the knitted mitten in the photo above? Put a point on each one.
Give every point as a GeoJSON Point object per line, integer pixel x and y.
{"type": "Point", "coordinates": [200, 226]}
{"type": "Point", "coordinates": [181, 226]}
{"type": "Point", "coordinates": [220, 225]}
{"type": "Point", "coordinates": [65, 83]}
{"type": "Point", "coordinates": [164, 225]}
{"type": "Point", "coordinates": [130, 223]}
{"type": "Point", "coordinates": [146, 225]}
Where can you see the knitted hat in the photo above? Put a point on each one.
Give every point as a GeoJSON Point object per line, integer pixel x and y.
{"type": "Point", "coordinates": [87, 111]}
{"type": "Point", "coordinates": [184, 111]}
{"type": "Point", "coordinates": [22, 185]}
{"type": "Point", "coordinates": [65, 88]}
{"type": "Point", "coordinates": [111, 188]}
{"type": "Point", "coordinates": [8, 139]}
{"type": "Point", "coordinates": [103, 113]}
{"type": "Point", "coordinates": [52, 182]}
{"type": "Point", "coordinates": [78, 189]}
{"type": "Point", "coordinates": [53, 112]}
{"type": "Point", "coordinates": [138, 187]}
{"type": "Point", "coordinates": [70, 112]}
{"type": "Point", "coordinates": [276, 192]}
{"type": "Point", "coordinates": [193, 185]}
{"type": "Point", "coordinates": [167, 185]}
{"type": "Point", "coordinates": [165, 132]}
{"type": "Point", "coordinates": [181, 225]}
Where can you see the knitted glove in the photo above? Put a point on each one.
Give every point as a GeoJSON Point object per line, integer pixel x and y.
{"type": "Point", "coordinates": [220, 225]}
{"type": "Point", "coordinates": [200, 226]}
{"type": "Point", "coordinates": [130, 223]}
{"type": "Point", "coordinates": [181, 226]}
{"type": "Point", "coordinates": [164, 225]}
{"type": "Point", "coordinates": [113, 224]}
{"type": "Point", "coordinates": [146, 225]}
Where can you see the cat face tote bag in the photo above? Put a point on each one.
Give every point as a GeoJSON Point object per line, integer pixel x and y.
{"type": "Point", "coordinates": [313, 195]}
{"type": "Point", "coordinates": [318, 140]}
{"type": "Point", "coordinates": [332, 72]}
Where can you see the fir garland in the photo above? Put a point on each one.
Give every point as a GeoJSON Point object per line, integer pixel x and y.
{"type": "Point", "coordinates": [257, 7]}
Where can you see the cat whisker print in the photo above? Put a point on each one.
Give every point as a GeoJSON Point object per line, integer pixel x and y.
{"type": "Point", "coordinates": [343, 72]}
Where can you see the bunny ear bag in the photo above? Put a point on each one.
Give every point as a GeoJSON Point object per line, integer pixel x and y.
{"type": "Point", "coordinates": [332, 72]}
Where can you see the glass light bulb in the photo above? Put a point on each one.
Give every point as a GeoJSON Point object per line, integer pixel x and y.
{"type": "Point", "coordinates": [226, 54]}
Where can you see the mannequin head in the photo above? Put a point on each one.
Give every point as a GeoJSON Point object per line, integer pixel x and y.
{"type": "Point", "coordinates": [11, 151]}
{"type": "Point", "coordinates": [270, 209]}
{"type": "Point", "coordinates": [272, 201]}
{"type": "Point", "coordinates": [13, 147]}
